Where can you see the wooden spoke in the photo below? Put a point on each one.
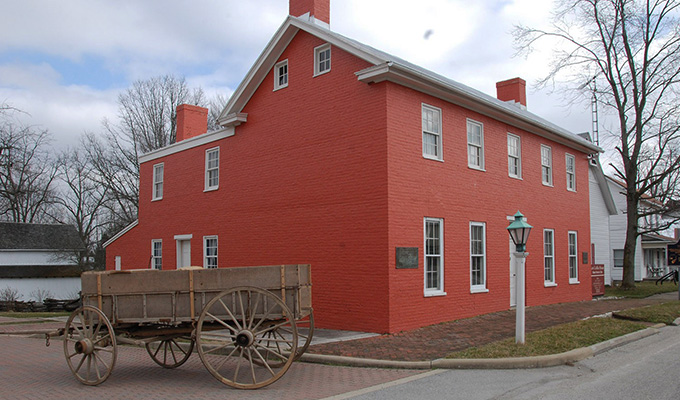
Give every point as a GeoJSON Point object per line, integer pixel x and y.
{"type": "Point", "coordinates": [89, 333]}
{"type": "Point", "coordinates": [253, 354]}
{"type": "Point", "coordinates": [169, 352]}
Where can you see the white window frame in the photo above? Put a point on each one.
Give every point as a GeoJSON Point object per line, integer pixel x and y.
{"type": "Point", "coordinates": [479, 287]}
{"type": "Point", "coordinates": [157, 187]}
{"type": "Point", "coordinates": [549, 257]}
{"type": "Point", "coordinates": [208, 257]}
{"type": "Point", "coordinates": [212, 169]}
{"type": "Point", "coordinates": [436, 133]}
{"type": "Point", "coordinates": [517, 157]}
{"type": "Point", "coordinates": [571, 174]}
{"type": "Point", "coordinates": [156, 259]}
{"type": "Point", "coordinates": [478, 146]}
{"type": "Point", "coordinates": [281, 77]}
{"type": "Point", "coordinates": [439, 289]}
{"type": "Point", "coordinates": [573, 257]}
{"type": "Point", "coordinates": [317, 59]}
{"type": "Point", "coordinates": [546, 165]}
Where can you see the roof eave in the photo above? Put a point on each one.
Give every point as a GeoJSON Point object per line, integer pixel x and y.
{"type": "Point", "coordinates": [416, 80]}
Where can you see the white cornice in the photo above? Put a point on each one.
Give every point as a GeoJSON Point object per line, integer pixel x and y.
{"type": "Point", "coordinates": [500, 111]}
{"type": "Point", "coordinates": [121, 233]}
{"type": "Point", "coordinates": [187, 144]}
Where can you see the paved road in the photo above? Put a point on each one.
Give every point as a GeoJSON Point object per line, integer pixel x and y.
{"type": "Point", "coordinates": [29, 370]}
{"type": "Point", "coordinates": [646, 369]}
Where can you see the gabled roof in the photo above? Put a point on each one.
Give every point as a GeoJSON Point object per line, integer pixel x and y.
{"type": "Point", "coordinates": [19, 236]}
{"type": "Point", "coordinates": [601, 179]}
{"type": "Point", "coordinates": [387, 67]}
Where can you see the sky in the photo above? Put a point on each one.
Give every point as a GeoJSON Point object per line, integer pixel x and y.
{"type": "Point", "coordinates": [64, 63]}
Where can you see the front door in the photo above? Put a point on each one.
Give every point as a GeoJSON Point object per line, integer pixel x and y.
{"type": "Point", "coordinates": [183, 253]}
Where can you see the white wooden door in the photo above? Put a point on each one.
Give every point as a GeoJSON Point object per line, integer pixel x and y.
{"type": "Point", "coordinates": [183, 253]}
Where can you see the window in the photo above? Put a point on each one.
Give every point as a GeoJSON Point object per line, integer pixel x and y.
{"type": "Point", "coordinates": [322, 59]}
{"type": "Point", "coordinates": [281, 75]}
{"type": "Point", "coordinates": [212, 169]}
{"type": "Point", "coordinates": [477, 257]}
{"type": "Point", "coordinates": [434, 257]}
{"type": "Point", "coordinates": [157, 254]}
{"type": "Point", "coordinates": [618, 258]}
{"type": "Point", "coordinates": [475, 134]}
{"type": "Point", "coordinates": [514, 156]}
{"type": "Point", "coordinates": [432, 132]}
{"type": "Point", "coordinates": [210, 251]}
{"type": "Point", "coordinates": [546, 165]}
{"type": "Point", "coordinates": [571, 172]}
{"type": "Point", "coordinates": [157, 182]}
{"type": "Point", "coordinates": [573, 259]}
{"type": "Point", "coordinates": [549, 257]}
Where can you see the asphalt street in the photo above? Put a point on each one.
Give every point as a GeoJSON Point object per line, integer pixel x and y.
{"type": "Point", "coordinates": [644, 369]}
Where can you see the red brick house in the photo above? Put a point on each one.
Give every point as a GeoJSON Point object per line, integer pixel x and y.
{"type": "Point", "coordinates": [396, 184]}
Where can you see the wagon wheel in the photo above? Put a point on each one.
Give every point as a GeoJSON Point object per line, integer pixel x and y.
{"type": "Point", "coordinates": [169, 353]}
{"type": "Point", "coordinates": [305, 332]}
{"type": "Point", "coordinates": [90, 345]}
{"type": "Point", "coordinates": [231, 337]}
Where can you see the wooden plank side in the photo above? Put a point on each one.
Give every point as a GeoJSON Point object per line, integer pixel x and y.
{"type": "Point", "coordinates": [165, 295]}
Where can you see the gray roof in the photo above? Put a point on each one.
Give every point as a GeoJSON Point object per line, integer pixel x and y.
{"type": "Point", "coordinates": [18, 236]}
{"type": "Point", "coordinates": [406, 73]}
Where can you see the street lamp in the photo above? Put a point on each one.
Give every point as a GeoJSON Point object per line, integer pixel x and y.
{"type": "Point", "coordinates": [519, 233]}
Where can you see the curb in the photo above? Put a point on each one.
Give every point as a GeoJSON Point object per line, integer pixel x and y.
{"type": "Point", "coordinates": [550, 360]}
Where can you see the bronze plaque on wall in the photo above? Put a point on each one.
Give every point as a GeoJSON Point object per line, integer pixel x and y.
{"type": "Point", "coordinates": [407, 257]}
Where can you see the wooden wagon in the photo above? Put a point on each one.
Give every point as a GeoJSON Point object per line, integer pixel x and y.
{"type": "Point", "coordinates": [248, 323]}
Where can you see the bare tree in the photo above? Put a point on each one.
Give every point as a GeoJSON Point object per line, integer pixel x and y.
{"type": "Point", "coordinates": [215, 107]}
{"type": "Point", "coordinates": [628, 53]}
{"type": "Point", "coordinates": [81, 200]}
{"type": "Point", "coordinates": [27, 172]}
{"type": "Point", "coordinates": [146, 122]}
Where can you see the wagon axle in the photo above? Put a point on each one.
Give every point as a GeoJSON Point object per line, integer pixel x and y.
{"type": "Point", "coordinates": [244, 338]}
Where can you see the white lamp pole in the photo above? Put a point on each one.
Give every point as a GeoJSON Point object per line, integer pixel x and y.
{"type": "Point", "coordinates": [519, 233]}
{"type": "Point", "coordinates": [520, 259]}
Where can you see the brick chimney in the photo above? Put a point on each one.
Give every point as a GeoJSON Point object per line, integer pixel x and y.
{"type": "Point", "coordinates": [512, 90]}
{"type": "Point", "coordinates": [319, 10]}
{"type": "Point", "coordinates": [191, 121]}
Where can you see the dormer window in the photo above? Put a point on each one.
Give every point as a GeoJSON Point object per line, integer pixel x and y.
{"type": "Point", "coordinates": [322, 59]}
{"type": "Point", "coordinates": [281, 75]}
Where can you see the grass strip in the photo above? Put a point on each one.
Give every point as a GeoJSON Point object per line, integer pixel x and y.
{"type": "Point", "coordinates": [664, 313]}
{"type": "Point", "coordinates": [642, 290]}
{"type": "Point", "coordinates": [554, 340]}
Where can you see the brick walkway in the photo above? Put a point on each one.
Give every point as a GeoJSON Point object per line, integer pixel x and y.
{"type": "Point", "coordinates": [436, 341]}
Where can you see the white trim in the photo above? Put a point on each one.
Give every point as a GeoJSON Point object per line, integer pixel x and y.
{"type": "Point", "coordinates": [440, 291]}
{"type": "Point", "coordinates": [205, 250]}
{"type": "Point", "coordinates": [567, 156]}
{"type": "Point", "coordinates": [154, 183]}
{"type": "Point", "coordinates": [317, 51]}
{"type": "Point", "coordinates": [121, 233]}
{"type": "Point", "coordinates": [483, 287]}
{"type": "Point", "coordinates": [519, 156]}
{"type": "Point", "coordinates": [277, 85]}
{"type": "Point", "coordinates": [153, 256]}
{"type": "Point", "coordinates": [439, 135]}
{"type": "Point", "coordinates": [184, 237]}
{"type": "Point", "coordinates": [550, 182]}
{"type": "Point", "coordinates": [207, 186]}
{"type": "Point", "coordinates": [575, 256]}
{"type": "Point", "coordinates": [195, 141]}
{"type": "Point", "coordinates": [468, 123]}
{"type": "Point", "coordinates": [552, 256]}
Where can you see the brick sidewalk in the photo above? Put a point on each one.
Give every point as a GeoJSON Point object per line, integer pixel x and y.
{"type": "Point", "coordinates": [437, 341]}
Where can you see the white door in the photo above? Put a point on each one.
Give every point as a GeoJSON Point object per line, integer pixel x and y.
{"type": "Point", "coordinates": [118, 266]}
{"type": "Point", "coordinates": [513, 275]}
{"type": "Point", "coordinates": [183, 253]}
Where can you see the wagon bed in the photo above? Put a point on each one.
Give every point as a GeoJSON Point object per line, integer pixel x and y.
{"type": "Point", "coordinates": [248, 323]}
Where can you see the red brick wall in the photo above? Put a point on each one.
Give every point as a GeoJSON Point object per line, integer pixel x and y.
{"type": "Point", "coordinates": [303, 181]}
{"type": "Point", "coordinates": [307, 180]}
{"type": "Point", "coordinates": [420, 187]}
